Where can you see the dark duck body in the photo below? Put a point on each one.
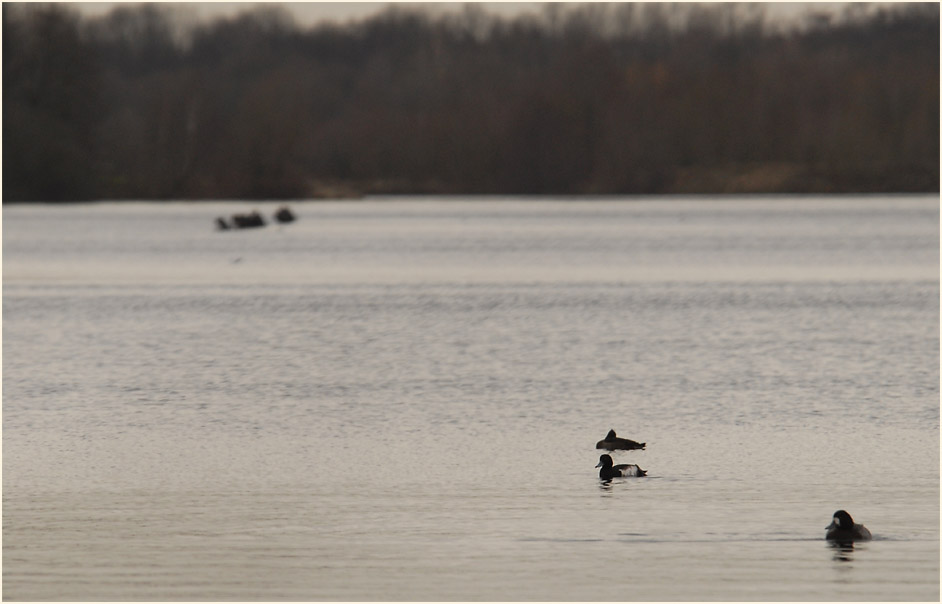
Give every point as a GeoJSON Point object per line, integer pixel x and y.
{"type": "Point", "coordinates": [843, 529]}
{"type": "Point", "coordinates": [610, 470]}
{"type": "Point", "coordinates": [612, 442]}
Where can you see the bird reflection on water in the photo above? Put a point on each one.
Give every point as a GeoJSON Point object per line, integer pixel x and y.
{"type": "Point", "coordinates": [843, 551]}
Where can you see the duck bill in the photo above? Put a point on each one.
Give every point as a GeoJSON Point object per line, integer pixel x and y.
{"type": "Point", "coordinates": [598, 465]}
{"type": "Point", "coordinates": [833, 525]}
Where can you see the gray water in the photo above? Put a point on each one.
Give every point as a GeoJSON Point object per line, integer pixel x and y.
{"type": "Point", "coordinates": [400, 399]}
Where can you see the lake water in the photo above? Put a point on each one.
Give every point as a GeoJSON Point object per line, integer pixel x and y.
{"type": "Point", "coordinates": [399, 399]}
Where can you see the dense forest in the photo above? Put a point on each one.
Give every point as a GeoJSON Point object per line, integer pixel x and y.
{"type": "Point", "coordinates": [620, 98]}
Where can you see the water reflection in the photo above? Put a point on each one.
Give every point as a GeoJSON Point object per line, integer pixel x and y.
{"type": "Point", "coordinates": [843, 552]}
{"type": "Point", "coordinates": [605, 484]}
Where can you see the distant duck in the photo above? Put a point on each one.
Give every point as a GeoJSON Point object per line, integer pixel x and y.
{"type": "Point", "coordinates": [609, 470]}
{"type": "Point", "coordinates": [284, 214]}
{"type": "Point", "coordinates": [843, 530]}
{"type": "Point", "coordinates": [245, 221]}
{"type": "Point", "coordinates": [612, 442]}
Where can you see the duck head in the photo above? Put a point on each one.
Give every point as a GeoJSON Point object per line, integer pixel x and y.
{"type": "Point", "coordinates": [841, 520]}
{"type": "Point", "coordinates": [605, 461]}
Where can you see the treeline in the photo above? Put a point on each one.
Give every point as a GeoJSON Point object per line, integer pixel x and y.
{"type": "Point", "coordinates": [592, 99]}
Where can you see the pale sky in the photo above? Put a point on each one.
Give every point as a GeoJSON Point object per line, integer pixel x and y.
{"type": "Point", "coordinates": [309, 13]}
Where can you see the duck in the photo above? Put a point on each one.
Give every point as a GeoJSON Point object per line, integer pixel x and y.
{"type": "Point", "coordinates": [284, 214]}
{"type": "Point", "coordinates": [609, 470]}
{"type": "Point", "coordinates": [843, 529]}
{"type": "Point", "coordinates": [612, 442]}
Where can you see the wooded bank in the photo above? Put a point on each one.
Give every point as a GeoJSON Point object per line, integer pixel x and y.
{"type": "Point", "coordinates": [597, 99]}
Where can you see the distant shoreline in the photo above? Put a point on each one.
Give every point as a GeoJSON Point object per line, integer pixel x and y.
{"type": "Point", "coordinates": [752, 179]}
{"type": "Point", "coordinates": [472, 197]}
{"type": "Point", "coordinates": [604, 99]}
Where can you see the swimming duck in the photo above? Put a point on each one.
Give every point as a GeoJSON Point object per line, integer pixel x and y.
{"type": "Point", "coordinates": [843, 529]}
{"type": "Point", "coordinates": [612, 442]}
{"type": "Point", "coordinates": [609, 470]}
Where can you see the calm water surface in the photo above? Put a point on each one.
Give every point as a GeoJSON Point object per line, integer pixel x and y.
{"type": "Point", "coordinates": [400, 399]}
